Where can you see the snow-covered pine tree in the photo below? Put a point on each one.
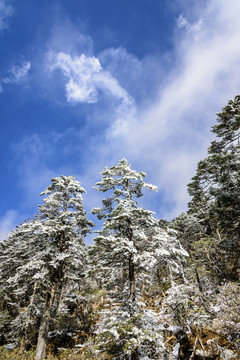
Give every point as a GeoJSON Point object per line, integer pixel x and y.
{"type": "Point", "coordinates": [64, 224]}
{"type": "Point", "coordinates": [130, 332]}
{"type": "Point", "coordinates": [17, 278]}
{"type": "Point", "coordinates": [9, 309]}
{"type": "Point", "coordinates": [128, 249]}
{"type": "Point", "coordinates": [189, 232]}
{"type": "Point", "coordinates": [55, 258]}
{"type": "Point", "coordinates": [215, 188]}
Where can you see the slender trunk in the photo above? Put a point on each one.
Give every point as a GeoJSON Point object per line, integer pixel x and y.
{"type": "Point", "coordinates": [198, 279]}
{"type": "Point", "coordinates": [134, 355]}
{"type": "Point", "coordinates": [22, 344]}
{"type": "Point", "coordinates": [158, 276]}
{"type": "Point", "coordinates": [28, 320]}
{"type": "Point", "coordinates": [209, 258]}
{"type": "Point", "coordinates": [132, 279]}
{"type": "Point", "coordinates": [184, 277]}
{"type": "Point", "coordinates": [31, 302]}
{"type": "Point", "coordinates": [60, 300]}
{"type": "Point", "coordinates": [131, 267]}
{"type": "Point", "coordinates": [218, 234]}
{"type": "Point", "coordinates": [194, 349]}
{"type": "Point", "coordinates": [196, 271]}
{"type": "Point", "coordinates": [171, 276]}
{"type": "Point", "coordinates": [43, 329]}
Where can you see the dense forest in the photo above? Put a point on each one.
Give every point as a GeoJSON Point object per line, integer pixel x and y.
{"type": "Point", "coordinates": [146, 288]}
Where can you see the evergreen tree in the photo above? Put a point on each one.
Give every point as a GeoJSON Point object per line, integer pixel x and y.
{"type": "Point", "coordinates": [53, 253]}
{"type": "Point", "coordinates": [215, 189]}
{"type": "Point", "coordinates": [129, 246]}
{"type": "Point", "coordinates": [130, 332]}
{"type": "Point", "coordinates": [188, 231]}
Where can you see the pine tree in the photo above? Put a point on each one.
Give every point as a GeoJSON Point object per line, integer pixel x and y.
{"type": "Point", "coordinates": [17, 277]}
{"type": "Point", "coordinates": [215, 188]}
{"type": "Point", "coordinates": [191, 235]}
{"type": "Point", "coordinates": [53, 257]}
{"type": "Point", "coordinates": [130, 245]}
{"type": "Point", "coordinates": [130, 332]}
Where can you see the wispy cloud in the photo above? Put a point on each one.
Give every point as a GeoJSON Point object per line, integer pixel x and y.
{"type": "Point", "coordinates": [16, 74]}
{"type": "Point", "coordinates": [173, 133]}
{"type": "Point", "coordinates": [182, 22]}
{"type": "Point", "coordinates": [6, 11]}
{"type": "Point", "coordinates": [86, 80]}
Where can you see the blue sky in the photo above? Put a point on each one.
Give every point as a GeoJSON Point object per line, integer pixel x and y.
{"type": "Point", "coordinates": [84, 83]}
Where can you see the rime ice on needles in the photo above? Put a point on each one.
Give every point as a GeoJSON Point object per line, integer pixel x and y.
{"type": "Point", "coordinates": [128, 330]}
{"type": "Point", "coordinates": [124, 257]}
{"type": "Point", "coordinates": [49, 253]}
{"type": "Point", "coordinates": [131, 243]}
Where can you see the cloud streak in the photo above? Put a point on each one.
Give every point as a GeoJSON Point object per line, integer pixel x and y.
{"type": "Point", "coordinates": [173, 133]}
{"type": "Point", "coordinates": [17, 74]}
{"type": "Point", "coordinates": [6, 11]}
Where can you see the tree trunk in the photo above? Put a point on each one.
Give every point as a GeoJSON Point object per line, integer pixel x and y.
{"type": "Point", "coordinates": [219, 235]}
{"type": "Point", "coordinates": [158, 276]}
{"type": "Point", "coordinates": [43, 329]}
{"type": "Point", "coordinates": [134, 355]}
{"type": "Point", "coordinates": [132, 280]}
{"type": "Point", "coordinates": [198, 279]}
{"type": "Point", "coordinates": [131, 269]}
{"type": "Point", "coordinates": [60, 301]}
{"type": "Point", "coordinates": [28, 320]}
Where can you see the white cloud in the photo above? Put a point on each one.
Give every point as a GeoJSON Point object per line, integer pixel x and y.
{"type": "Point", "coordinates": [81, 76]}
{"type": "Point", "coordinates": [182, 22]}
{"type": "Point", "coordinates": [86, 79]}
{"type": "Point", "coordinates": [8, 223]}
{"type": "Point", "coordinates": [17, 73]}
{"type": "Point", "coordinates": [6, 11]}
{"type": "Point", "coordinates": [172, 135]}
